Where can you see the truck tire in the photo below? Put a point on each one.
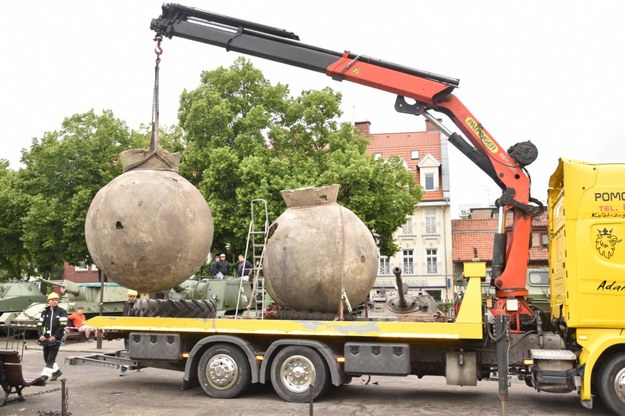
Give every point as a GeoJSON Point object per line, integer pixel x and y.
{"type": "Point", "coordinates": [195, 308]}
{"type": "Point", "coordinates": [223, 371]}
{"type": "Point", "coordinates": [612, 383]}
{"type": "Point", "coordinates": [299, 374]}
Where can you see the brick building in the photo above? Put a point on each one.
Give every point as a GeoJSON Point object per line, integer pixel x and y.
{"type": "Point", "coordinates": [80, 273]}
{"type": "Point", "coordinates": [472, 240]}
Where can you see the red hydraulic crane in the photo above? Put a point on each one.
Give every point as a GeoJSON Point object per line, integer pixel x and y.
{"type": "Point", "coordinates": [430, 92]}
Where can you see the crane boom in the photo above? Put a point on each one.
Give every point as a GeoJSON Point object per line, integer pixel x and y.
{"type": "Point", "coordinates": [429, 91]}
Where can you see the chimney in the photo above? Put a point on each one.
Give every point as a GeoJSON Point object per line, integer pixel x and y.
{"type": "Point", "coordinates": [429, 126]}
{"type": "Point", "coordinates": [364, 127]}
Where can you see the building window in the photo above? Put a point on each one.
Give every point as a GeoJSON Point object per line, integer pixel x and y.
{"type": "Point", "coordinates": [429, 181]}
{"type": "Point", "coordinates": [431, 261]}
{"type": "Point", "coordinates": [430, 220]}
{"type": "Point", "coordinates": [377, 156]}
{"type": "Point", "coordinates": [414, 154]}
{"type": "Point", "coordinates": [385, 267]}
{"type": "Point", "coordinates": [535, 239]}
{"type": "Point", "coordinates": [408, 261]}
{"type": "Point", "coordinates": [407, 228]}
{"type": "Point", "coordinates": [81, 267]}
{"type": "Point", "coordinates": [540, 240]}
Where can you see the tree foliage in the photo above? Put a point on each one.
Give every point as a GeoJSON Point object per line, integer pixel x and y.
{"type": "Point", "coordinates": [249, 139]}
{"type": "Point", "coordinates": [47, 199]}
{"type": "Point", "coordinates": [63, 171]}
{"type": "Point", "coordinates": [14, 259]}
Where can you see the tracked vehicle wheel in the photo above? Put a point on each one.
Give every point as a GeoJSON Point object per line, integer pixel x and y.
{"type": "Point", "coordinates": [195, 308]}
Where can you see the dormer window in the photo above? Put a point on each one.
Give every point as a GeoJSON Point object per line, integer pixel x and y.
{"type": "Point", "coordinates": [429, 173]}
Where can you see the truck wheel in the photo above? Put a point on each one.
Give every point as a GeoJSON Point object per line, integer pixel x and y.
{"type": "Point", "coordinates": [223, 371]}
{"type": "Point", "coordinates": [612, 383]}
{"type": "Point", "coordinates": [295, 371]}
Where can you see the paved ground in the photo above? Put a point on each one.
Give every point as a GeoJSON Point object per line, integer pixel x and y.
{"type": "Point", "coordinates": [98, 391]}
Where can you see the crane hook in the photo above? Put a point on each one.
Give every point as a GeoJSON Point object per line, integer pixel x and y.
{"type": "Point", "coordinates": [158, 50]}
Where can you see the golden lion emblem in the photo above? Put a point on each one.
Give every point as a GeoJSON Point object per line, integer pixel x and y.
{"type": "Point", "coordinates": [606, 242]}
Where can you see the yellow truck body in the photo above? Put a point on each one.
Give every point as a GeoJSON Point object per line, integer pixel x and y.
{"type": "Point", "coordinates": [587, 269]}
{"type": "Point", "coordinates": [587, 244]}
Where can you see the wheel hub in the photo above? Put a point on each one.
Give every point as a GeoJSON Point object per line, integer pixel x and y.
{"type": "Point", "coordinates": [619, 385]}
{"type": "Point", "coordinates": [221, 371]}
{"type": "Point", "coordinates": [298, 373]}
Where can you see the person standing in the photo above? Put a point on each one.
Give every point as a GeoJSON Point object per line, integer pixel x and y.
{"type": "Point", "coordinates": [128, 305]}
{"type": "Point", "coordinates": [244, 269]}
{"type": "Point", "coordinates": [214, 266]}
{"type": "Point", "coordinates": [221, 267]}
{"type": "Point", "coordinates": [50, 329]}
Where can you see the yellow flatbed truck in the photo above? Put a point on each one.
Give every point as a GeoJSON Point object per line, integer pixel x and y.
{"type": "Point", "coordinates": [583, 349]}
{"type": "Point", "coordinates": [226, 355]}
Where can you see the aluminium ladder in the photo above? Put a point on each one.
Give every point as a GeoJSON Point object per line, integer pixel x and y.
{"type": "Point", "coordinates": [256, 240]}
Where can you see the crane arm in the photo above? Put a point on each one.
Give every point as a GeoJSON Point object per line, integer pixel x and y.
{"type": "Point", "coordinates": [429, 91]}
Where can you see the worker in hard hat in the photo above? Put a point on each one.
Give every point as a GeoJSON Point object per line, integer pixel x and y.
{"type": "Point", "coordinates": [50, 328]}
{"type": "Point", "coordinates": [132, 297]}
{"type": "Point", "coordinates": [128, 305]}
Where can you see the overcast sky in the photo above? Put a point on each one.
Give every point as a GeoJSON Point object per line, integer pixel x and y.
{"type": "Point", "coordinates": [546, 71]}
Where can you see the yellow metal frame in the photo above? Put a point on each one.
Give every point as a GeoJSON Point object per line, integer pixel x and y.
{"type": "Point", "coordinates": [468, 324]}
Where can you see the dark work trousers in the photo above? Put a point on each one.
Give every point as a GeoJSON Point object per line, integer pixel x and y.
{"type": "Point", "coordinates": [49, 353]}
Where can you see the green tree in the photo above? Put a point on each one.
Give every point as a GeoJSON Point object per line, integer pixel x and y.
{"type": "Point", "coordinates": [14, 260]}
{"type": "Point", "coordinates": [46, 201]}
{"type": "Point", "coordinates": [246, 139]}
{"type": "Point", "coordinates": [63, 171]}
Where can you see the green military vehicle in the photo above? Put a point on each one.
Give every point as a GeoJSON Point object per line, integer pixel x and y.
{"type": "Point", "coordinates": [199, 297]}
{"type": "Point", "coordinates": [227, 293]}
{"type": "Point", "coordinates": [87, 295]}
{"type": "Point", "coordinates": [15, 296]}
{"type": "Point", "coordinates": [537, 283]}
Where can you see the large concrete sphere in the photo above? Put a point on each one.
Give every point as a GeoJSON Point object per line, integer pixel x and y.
{"type": "Point", "coordinates": [149, 230]}
{"type": "Point", "coordinates": [317, 248]}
